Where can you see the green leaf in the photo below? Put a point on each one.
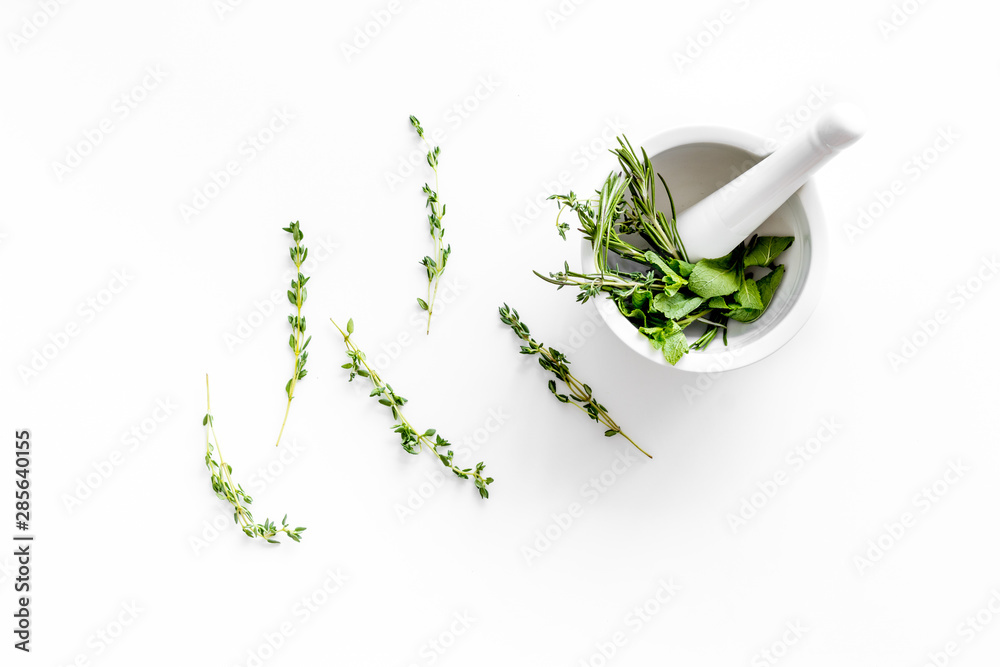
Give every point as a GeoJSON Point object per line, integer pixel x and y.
{"type": "Point", "coordinates": [663, 266]}
{"type": "Point", "coordinates": [765, 249]}
{"type": "Point", "coordinates": [745, 314]}
{"type": "Point", "coordinates": [670, 340]}
{"type": "Point", "coordinates": [715, 277]}
{"type": "Point", "coordinates": [632, 314]}
{"type": "Point", "coordinates": [681, 267]}
{"type": "Point", "coordinates": [350, 326]}
{"type": "Point", "coordinates": [675, 306]}
{"type": "Point", "coordinates": [423, 304]}
{"type": "Point", "coordinates": [766, 286]}
{"type": "Point", "coordinates": [720, 303]}
{"type": "Point", "coordinates": [641, 298]}
{"type": "Point", "coordinates": [748, 296]}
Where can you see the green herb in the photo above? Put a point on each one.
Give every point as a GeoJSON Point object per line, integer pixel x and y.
{"type": "Point", "coordinates": [222, 484]}
{"type": "Point", "coordinates": [665, 293]}
{"type": "Point", "coordinates": [412, 440]}
{"type": "Point", "coordinates": [580, 394]}
{"type": "Point", "coordinates": [297, 340]}
{"type": "Point", "coordinates": [433, 264]}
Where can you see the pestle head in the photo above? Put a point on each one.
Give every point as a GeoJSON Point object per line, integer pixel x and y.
{"type": "Point", "coordinates": [841, 126]}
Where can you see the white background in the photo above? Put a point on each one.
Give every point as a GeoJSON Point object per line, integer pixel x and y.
{"type": "Point", "coordinates": [143, 536]}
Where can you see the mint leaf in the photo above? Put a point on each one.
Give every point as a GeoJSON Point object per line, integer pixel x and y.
{"type": "Point", "coordinates": [748, 295]}
{"type": "Point", "coordinates": [716, 277]}
{"type": "Point", "coordinates": [674, 270]}
{"type": "Point", "coordinates": [720, 303]}
{"type": "Point", "coordinates": [670, 340]}
{"type": "Point", "coordinates": [681, 267]}
{"type": "Point", "coordinates": [631, 314]}
{"type": "Point", "coordinates": [673, 265]}
{"type": "Point", "coordinates": [675, 306]}
{"type": "Point", "coordinates": [641, 298]}
{"type": "Point", "coordinates": [766, 286]}
{"type": "Point", "coordinates": [765, 249]}
{"type": "Point", "coordinates": [745, 314]}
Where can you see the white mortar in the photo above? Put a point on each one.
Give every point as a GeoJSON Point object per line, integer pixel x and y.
{"type": "Point", "coordinates": [695, 162]}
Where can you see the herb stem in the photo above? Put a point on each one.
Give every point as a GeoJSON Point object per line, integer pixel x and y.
{"type": "Point", "coordinates": [438, 245]}
{"type": "Point", "coordinates": [409, 434]}
{"type": "Point", "coordinates": [226, 489]}
{"type": "Point", "coordinates": [583, 393]}
{"type": "Point", "coordinates": [435, 264]}
{"type": "Point", "coordinates": [296, 296]}
{"type": "Point", "coordinates": [430, 302]}
{"type": "Point", "coordinates": [556, 363]}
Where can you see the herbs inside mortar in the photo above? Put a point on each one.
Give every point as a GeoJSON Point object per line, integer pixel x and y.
{"type": "Point", "coordinates": [665, 294]}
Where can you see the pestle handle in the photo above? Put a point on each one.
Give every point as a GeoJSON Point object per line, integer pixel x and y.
{"type": "Point", "coordinates": [720, 221]}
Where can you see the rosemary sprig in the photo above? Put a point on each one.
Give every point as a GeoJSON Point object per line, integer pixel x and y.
{"type": "Point", "coordinates": [412, 440]}
{"type": "Point", "coordinates": [297, 340]}
{"type": "Point", "coordinates": [580, 394]}
{"type": "Point", "coordinates": [222, 484]}
{"type": "Point", "coordinates": [433, 264]}
{"type": "Point", "coordinates": [651, 222]}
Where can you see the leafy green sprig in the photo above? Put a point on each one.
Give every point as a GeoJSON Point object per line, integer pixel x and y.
{"type": "Point", "coordinates": [226, 489]}
{"type": "Point", "coordinates": [434, 264]}
{"type": "Point", "coordinates": [579, 394]}
{"type": "Point", "coordinates": [412, 440]}
{"type": "Point", "coordinates": [297, 340]}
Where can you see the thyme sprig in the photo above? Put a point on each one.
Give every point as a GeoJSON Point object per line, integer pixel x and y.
{"type": "Point", "coordinates": [579, 394]}
{"type": "Point", "coordinates": [434, 264]}
{"type": "Point", "coordinates": [226, 489]}
{"type": "Point", "coordinates": [297, 340]}
{"type": "Point", "coordinates": [591, 285]}
{"type": "Point", "coordinates": [412, 440]}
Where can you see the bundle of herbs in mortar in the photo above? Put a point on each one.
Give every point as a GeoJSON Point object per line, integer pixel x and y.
{"type": "Point", "coordinates": [664, 293]}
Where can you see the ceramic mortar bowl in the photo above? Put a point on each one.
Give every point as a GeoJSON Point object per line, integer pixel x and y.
{"type": "Point", "coordinates": [695, 162]}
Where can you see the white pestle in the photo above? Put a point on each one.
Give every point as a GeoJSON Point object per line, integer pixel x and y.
{"type": "Point", "coordinates": [720, 221]}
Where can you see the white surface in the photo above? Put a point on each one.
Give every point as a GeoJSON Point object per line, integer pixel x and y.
{"type": "Point", "coordinates": [549, 94]}
{"type": "Point", "coordinates": [696, 160]}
